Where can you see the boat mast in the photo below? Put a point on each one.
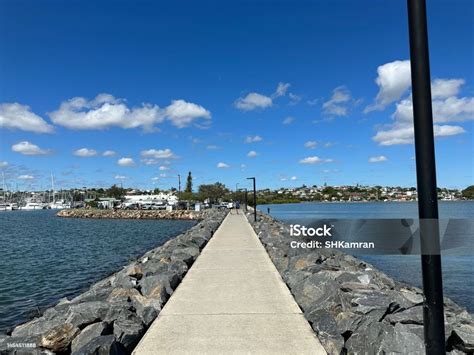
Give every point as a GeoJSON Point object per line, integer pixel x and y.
{"type": "Point", "coordinates": [4, 198]}
{"type": "Point", "coordinates": [52, 187]}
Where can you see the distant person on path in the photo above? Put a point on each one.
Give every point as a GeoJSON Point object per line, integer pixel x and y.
{"type": "Point", "coordinates": [237, 206]}
{"type": "Point", "coordinates": [268, 210]}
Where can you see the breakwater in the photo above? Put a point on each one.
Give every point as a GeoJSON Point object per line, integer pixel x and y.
{"type": "Point", "coordinates": [130, 214]}
{"type": "Point", "coordinates": [114, 313]}
{"type": "Point", "coordinates": [353, 307]}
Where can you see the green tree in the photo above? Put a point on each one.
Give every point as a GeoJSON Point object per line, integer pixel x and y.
{"type": "Point", "coordinates": [213, 192]}
{"type": "Point", "coordinates": [468, 192]}
{"type": "Point", "coordinates": [115, 192]}
{"type": "Point", "coordinates": [189, 183]}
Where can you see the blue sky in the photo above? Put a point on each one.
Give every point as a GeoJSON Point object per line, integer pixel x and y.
{"type": "Point", "coordinates": [292, 92]}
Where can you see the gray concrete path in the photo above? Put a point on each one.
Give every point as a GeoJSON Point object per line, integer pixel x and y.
{"type": "Point", "coordinates": [232, 301]}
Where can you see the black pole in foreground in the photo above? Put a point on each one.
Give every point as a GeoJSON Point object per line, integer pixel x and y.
{"type": "Point", "coordinates": [433, 314]}
{"type": "Point", "coordinates": [254, 199]}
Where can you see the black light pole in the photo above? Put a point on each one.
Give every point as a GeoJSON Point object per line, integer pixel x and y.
{"type": "Point", "coordinates": [433, 315]}
{"type": "Point", "coordinates": [254, 199]}
{"type": "Point", "coordinates": [179, 187]}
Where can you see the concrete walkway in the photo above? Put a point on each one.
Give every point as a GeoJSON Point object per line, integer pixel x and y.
{"type": "Point", "coordinates": [232, 301]}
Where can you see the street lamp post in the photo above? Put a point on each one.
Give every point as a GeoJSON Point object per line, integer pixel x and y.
{"type": "Point", "coordinates": [179, 187]}
{"type": "Point", "coordinates": [433, 314]}
{"type": "Point", "coordinates": [254, 199]}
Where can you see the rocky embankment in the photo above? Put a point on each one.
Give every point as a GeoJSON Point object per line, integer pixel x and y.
{"type": "Point", "coordinates": [112, 316]}
{"type": "Point", "coordinates": [353, 307]}
{"type": "Point", "coordinates": [130, 214]}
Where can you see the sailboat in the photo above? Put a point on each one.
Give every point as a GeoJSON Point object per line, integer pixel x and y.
{"type": "Point", "coordinates": [4, 205]}
{"type": "Point", "coordinates": [60, 204]}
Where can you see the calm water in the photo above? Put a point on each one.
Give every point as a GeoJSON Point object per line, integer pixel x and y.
{"type": "Point", "coordinates": [44, 257]}
{"type": "Point", "coordinates": [457, 270]}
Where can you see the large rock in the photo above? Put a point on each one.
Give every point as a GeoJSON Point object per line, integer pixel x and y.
{"type": "Point", "coordinates": [128, 331]}
{"type": "Point", "coordinates": [159, 286]}
{"type": "Point", "coordinates": [462, 338]}
{"type": "Point", "coordinates": [59, 338]}
{"type": "Point", "coordinates": [83, 314]}
{"type": "Point", "coordinates": [120, 295]}
{"type": "Point", "coordinates": [89, 333]}
{"type": "Point", "coordinates": [38, 326]}
{"type": "Point", "coordinates": [147, 308]}
{"type": "Point", "coordinates": [187, 255]}
{"type": "Point", "coordinates": [403, 339]}
{"type": "Point", "coordinates": [412, 315]}
{"type": "Point", "coordinates": [103, 345]}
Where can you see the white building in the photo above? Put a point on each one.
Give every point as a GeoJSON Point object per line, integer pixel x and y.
{"type": "Point", "coordinates": [167, 198]}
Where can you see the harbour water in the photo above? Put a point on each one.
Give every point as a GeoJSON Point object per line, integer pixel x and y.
{"type": "Point", "coordinates": [458, 271]}
{"type": "Point", "coordinates": [45, 258]}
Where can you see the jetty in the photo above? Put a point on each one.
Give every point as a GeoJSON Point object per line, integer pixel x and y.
{"type": "Point", "coordinates": [232, 300]}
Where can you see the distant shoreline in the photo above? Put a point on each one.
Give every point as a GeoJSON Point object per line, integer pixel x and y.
{"type": "Point", "coordinates": [374, 201]}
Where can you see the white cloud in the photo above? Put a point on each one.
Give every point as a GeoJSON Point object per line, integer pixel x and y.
{"type": "Point", "coordinates": [223, 165]}
{"type": "Point", "coordinates": [26, 177]}
{"type": "Point", "coordinates": [253, 101]}
{"type": "Point", "coordinates": [158, 153]}
{"type": "Point", "coordinates": [451, 109]}
{"type": "Point", "coordinates": [243, 166]}
{"type": "Point", "coordinates": [294, 99]}
{"type": "Point", "coordinates": [310, 144]}
{"type": "Point", "coordinates": [106, 111]}
{"type": "Point", "coordinates": [148, 161]}
{"type": "Point", "coordinates": [27, 148]}
{"type": "Point", "coordinates": [281, 89]}
{"type": "Point", "coordinates": [3, 164]}
{"type": "Point", "coordinates": [253, 139]}
{"type": "Point", "coordinates": [314, 160]}
{"type": "Point", "coordinates": [446, 109]}
{"type": "Point", "coordinates": [313, 102]}
{"type": "Point", "coordinates": [163, 168]}
{"type": "Point", "coordinates": [404, 134]}
{"type": "Point", "coordinates": [182, 114]}
{"type": "Point", "coordinates": [338, 105]}
{"type": "Point", "coordinates": [288, 120]}
{"type": "Point", "coordinates": [120, 177]}
{"type": "Point", "coordinates": [293, 178]}
{"type": "Point", "coordinates": [125, 162]}
{"type": "Point", "coordinates": [444, 88]}
{"type": "Point", "coordinates": [393, 80]}
{"type": "Point", "coordinates": [85, 152]}
{"type": "Point", "coordinates": [156, 178]}
{"type": "Point", "coordinates": [103, 112]}
{"type": "Point", "coordinates": [17, 116]}
{"type": "Point", "coordinates": [252, 154]}
{"type": "Point", "coordinates": [212, 147]}
{"type": "Point", "coordinates": [378, 159]}
{"type": "Point", "coordinates": [109, 153]}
